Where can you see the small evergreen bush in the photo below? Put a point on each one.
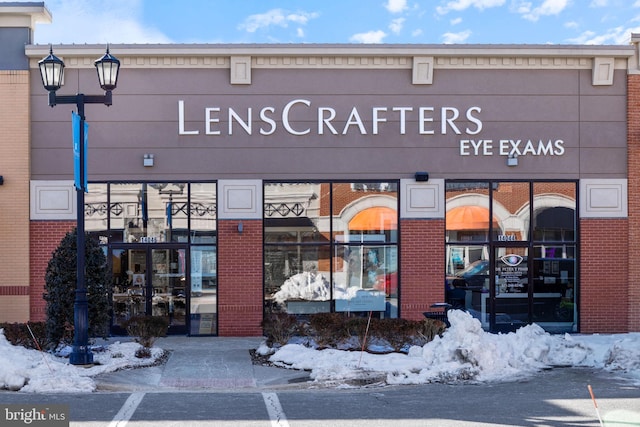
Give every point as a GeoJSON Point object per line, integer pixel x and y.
{"type": "Point", "coordinates": [146, 330]}
{"type": "Point", "coordinates": [60, 287]}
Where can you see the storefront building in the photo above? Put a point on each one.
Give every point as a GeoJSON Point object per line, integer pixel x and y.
{"type": "Point", "coordinates": [231, 182]}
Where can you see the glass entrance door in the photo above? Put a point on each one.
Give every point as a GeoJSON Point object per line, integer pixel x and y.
{"type": "Point", "coordinates": [150, 281]}
{"type": "Point", "coordinates": [510, 306]}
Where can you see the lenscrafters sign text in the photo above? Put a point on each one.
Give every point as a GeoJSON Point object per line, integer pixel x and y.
{"type": "Point", "coordinates": [416, 120]}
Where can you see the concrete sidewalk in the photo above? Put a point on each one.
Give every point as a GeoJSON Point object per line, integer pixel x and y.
{"type": "Point", "coordinates": [203, 363]}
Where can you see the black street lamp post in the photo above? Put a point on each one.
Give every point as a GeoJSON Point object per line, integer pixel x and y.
{"type": "Point", "coordinates": [52, 71]}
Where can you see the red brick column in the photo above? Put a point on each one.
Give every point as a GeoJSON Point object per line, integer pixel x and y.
{"type": "Point", "coordinates": [633, 171]}
{"type": "Point", "coordinates": [603, 276]}
{"type": "Point", "coordinates": [44, 240]}
{"type": "Point", "coordinates": [240, 289]}
{"type": "Point", "coordinates": [422, 268]}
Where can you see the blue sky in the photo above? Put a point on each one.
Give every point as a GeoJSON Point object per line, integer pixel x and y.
{"type": "Point", "coordinates": [341, 21]}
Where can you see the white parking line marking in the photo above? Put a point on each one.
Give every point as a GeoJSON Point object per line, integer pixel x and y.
{"type": "Point", "coordinates": [126, 412]}
{"type": "Point", "coordinates": [276, 414]}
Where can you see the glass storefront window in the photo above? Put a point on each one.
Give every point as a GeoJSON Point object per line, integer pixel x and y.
{"type": "Point", "coordinates": [149, 212]}
{"type": "Point", "coordinates": [161, 239]}
{"type": "Point", "coordinates": [96, 213]}
{"type": "Point", "coordinates": [203, 213]}
{"type": "Point", "coordinates": [331, 246]}
{"type": "Point", "coordinates": [554, 206]}
{"type": "Point", "coordinates": [365, 212]}
{"type": "Point", "coordinates": [527, 272]}
{"type": "Point", "coordinates": [297, 279]}
{"type": "Point", "coordinates": [296, 254]}
{"type": "Point", "coordinates": [467, 218]}
{"type": "Point", "coordinates": [204, 290]}
{"type": "Point", "coordinates": [510, 208]}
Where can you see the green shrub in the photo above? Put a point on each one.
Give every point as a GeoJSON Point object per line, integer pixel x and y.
{"type": "Point", "coordinates": [432, 328]}
{"type": "Point", "coordinates": [278, 328]}
{"type": "Point", "coordinates": [357, 327]}
{"type": "Point", "coordinates": [18, 334]}
{"type": "Point", "coordinates": [333, 330]}
{"type": "Point", "coordinates": [328, 328]}
{"type": "Point", "coordinates": [147, 329]}
{"type": "Point", "coordinates": [60, 289]}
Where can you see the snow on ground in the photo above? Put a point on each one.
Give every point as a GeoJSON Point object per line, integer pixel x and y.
{"type": "Point", "coordinates": [465, 353]}
{"type": "Point", "coordinates": [34, 371]}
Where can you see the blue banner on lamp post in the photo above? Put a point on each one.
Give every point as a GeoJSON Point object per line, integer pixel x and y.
{"type": "Point", "coordinates": [78, 152]}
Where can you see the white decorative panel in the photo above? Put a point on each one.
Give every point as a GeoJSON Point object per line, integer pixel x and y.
{"type": "Point", "coordinates": [240, 199]}
{"type": "Point", "coordinates": [422, 70]}
{"type": "Point", "coordinates": [240, 70]}
{"type": "Point", "coordinates": [603, 198]}
{"type": "Point", "coordinates": [53, 200]}
{"type": "Point", "coordinates": [422, 199]}
{"type": "Point", "coordinates": [603, 71]}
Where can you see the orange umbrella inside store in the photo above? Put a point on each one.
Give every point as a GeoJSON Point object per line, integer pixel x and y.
{"type": "Point", "coordinates": [469, 218]}
{"type": "Point", "coordinates": [378, 218]}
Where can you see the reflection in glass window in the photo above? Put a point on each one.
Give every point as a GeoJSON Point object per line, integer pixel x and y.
{"type": "Point", "coordinates": [96, 213]}
{"type": "Point", "coordinates": [365, 212]}
{"type": "Point", "coordinates": [554, 207]}
{"type": "Point", "coordinates": [467, 224]}
{"type": "Point", "coordinates": [204, 291]}
{"type": "Point", "coordinates": [159, 222]}
{"type": "Point", "coordinates": [527, 218]}
{"type": "Point", "coordinates": [555, 267]}
{"type": "Point", "coordinates": [156, 212]}
{"type": "Point", "coordinates": [467, 217]}
{"type": "Point", "coordinates": [331, 243]}
{"type": "Point", "coordinates": [203, 212]}
{"type": "Point", "coordinates": [511, 205]}
{"type": "Point", "coordinates": [126, 216]}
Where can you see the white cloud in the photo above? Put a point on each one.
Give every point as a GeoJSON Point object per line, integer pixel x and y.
{"type": "Point", "coordinates": [302, 17]}
{"type": "Point", "coordinates": [396, 6]}
{"type": "Point", "coordinates": [459, 5]}
{"type": "Point", "coordinates": [455, 38]}
{"type": "Point", "coordinates": [396, 25]}
{"type": "Point", "coordinates": [99, 21]}
{"type": "Point", "coordinates": [275, 17]}
{"type": "Point", "coordinates": [571, 24]}
{"type": "Point", "coordinates": [636, 4]}
{"type": "Point", "coordinates": [369, 37]}
{"type": "Point", "coordinates": [455, 21]}
{"type": "Point", "coordinates": [616, 36]}
{"type": "Point", "coordinates": [416, 33]}
{"type": "Point", "coordinates": [599, 3]}
{"type": "Point", "coordinates": [548, 7]}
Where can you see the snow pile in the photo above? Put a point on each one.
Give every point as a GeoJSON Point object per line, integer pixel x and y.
{"type": "Point", "coordinates": [34, 371]}
{"type": "Point", "coordinates": [466, 353]}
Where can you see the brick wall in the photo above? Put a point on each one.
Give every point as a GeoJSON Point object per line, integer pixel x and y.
{"type": "Point", "coordinates": [603, 276]}
{"type": "Point", "coordinates": [240, 292]}
{"type": "Point", "coordinates": [45, 238]}
{"type": "Point", "coordinates": [633, 171]}
{"type": "Point", "coordinates": [422, 261]}
{"type": "Point", "coordinates": [14, 167]}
